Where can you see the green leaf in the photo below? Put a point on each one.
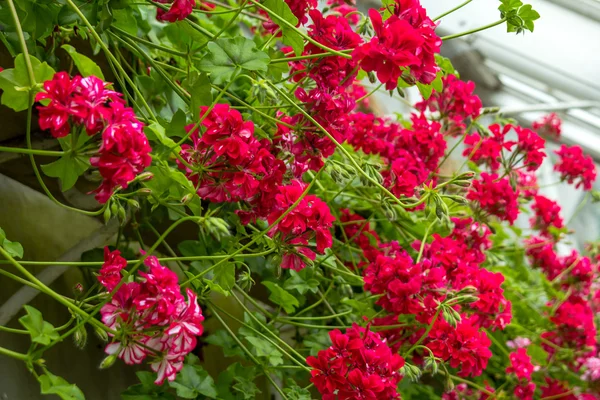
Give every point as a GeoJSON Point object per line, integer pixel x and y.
{"type": "Point", "coordinates": [41, 331]}
{"type": "Point", "coordinates": [301, 283]}
{"type": "Point", "coordinates": [177, 125]}
{"type": "Point", "coordinates": [52, 384]}
{"type": "Point", "coordinates": [67, 168]}
{"type": "Point", "coordinates": [38, 17]}
{"type": "Point", "coordinates": [537, 354]}
{"type": "Point", "coordinates": [446, 65]}
{"type": "Point", "coordinates": [263, 348]}
{"type": "Point", "coordinates": [147, 389]}
{"type": "Point", "coordinates": [156, 132]}
{"type": "Point", "coordinates": [509, 5]}
{"type": "Point", "coordinates": [193, 381]}
{"type": "Point", "coordinates": [225, 276]}
{"type": "Point", "coordinates": [85, 65]}
{"type": "Point", "coordinates": [295, 392]}
{"type": "Point", "coordinates": [199, 87]}
{"type": "Point", "coordinates": [15, 83]}
{"type": "Point", "coordinates": [125, 20]}
{"type": "Point", "coordinates": [240, 379]}
{"type": "Point", "coordinates": [168, 183]}
{"type": "Point", "coordinates": [291, 37]}
{"type": "Point", "coordinates": [225, 341]}
{"type": "Point", "coordinates": [425, 90]}
{"type": "Point", "coordinates": [227, 55]}
{"type": "Point", "coordinates": [282, 297]}
{"type": "Point", "coordinates": [13, 248]}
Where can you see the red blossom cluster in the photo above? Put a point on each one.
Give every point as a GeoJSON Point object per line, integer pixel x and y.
{"type": "Point", "coordinates": [310, 220]}
{"type": "Point", "coordinates": [456, 104]}
{"type": "Point", "coordinates": [358, 365]}
{"type": "Point", "coordinates": [178, 11]}
{"type": "Point", "coordinates": [489, 150]}
{"type": "Point", "coordinates": [346, 9]}
{"type": "Point", "coordinates": [522, 368]}
{"type": "Point", "coordinates": [410, 155]}
{"type": "Point", "coordinates": [88, 103]}
{"type": "Point", "coordinates": [228, 163]}
{"type": "Point", "coordinates": [550, 125]}
{"type": "Point", "coordinates": [547, 214]}
{"type": "Point", "coordinates": [576, 167]}
{"type": "Point", "coordinates": [463, 392]}
{"type": "Point", "coordinates": [151, 317]}
{"type": "Point", "coordinates": [405, 42]}
{"type": "Point", "coordinates": [495, 196]}
{"type": "Point", "coordinates": [449, 271]}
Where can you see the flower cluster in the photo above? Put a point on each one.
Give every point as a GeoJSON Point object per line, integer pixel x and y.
{"type": "Point", "coordinates": [547, 214]}
{"type": "Point", "coordinates": [226, 162]}
{"type": "Point", "coordinates": [576, 167]}
{"type": "Point", "coordinates": [87, 102]}
{"type": "Point", "coordinates": [310, 220]}
{"type": "Point", "coordinates": [489, 150]}
{"type": "Point", "coordinates": [550, 125]}
{"type": "Point", "coordinates": [151, 317]}
{"type": "Point", "coordinates": [456, 104]}
{"type": "Point", "coordinates": [495, 196]}
{"type": "Point", "coordinates": [407, 39]}
{"type": "Point", "coordinates": [522, 368]}
{"type": "Point", "coordinates": [410, 155]}
{"type": "Point", "coordinates": [450, 271]}
{"type": "Point", "coordinates": [179, 10]}
{"type": "Point", "coordinates": [358, 365]}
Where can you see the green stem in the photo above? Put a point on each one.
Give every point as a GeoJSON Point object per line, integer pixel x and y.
{"type": "Point", "coordinates": [132, 46]}
{"type": "Point", "coordinates": [338, 146]}
{"type": "Point", "coordinates": [482, 28]}
{"type": "Point", "coordinates": [21, 36]}
{"type": "Point", "coordinates": [14, 354]}
{"type": "Point", "coordinates": [256, 320]}
{"type": "Point", "coordinates": [250, 355]}
{"type": "Point", "coordinates": [559, 396]}
{"type": "Point", "coordinates": [149, 43]}
{"type": "Point", "coordinates": [306, 57]}
{"type": "Point", "coordinates": [298, 31]}
{"type": "Point", "coordinates": [32, 151]}
{"type": "Point", "coordinates": [324, 317]}
{"type": "Point", "coordinates": [45, 289]}
{"type": "Point", "coordinates": [111, 57]}
{"type": "Point", "coordinates": [458, 7]}
{"type": "Point", "coordinates": [422, 247]}
{"type": "Point", "coordinates": [162, 259]}
{"type": "Point", "coordinates": [429, 327]}
{"type": "Point", "coordinates": [247, 326]}
{"type": "Point", "coordinates": [13, 330]}
{"type": "Point", "coordinates": [260, 235]}
{"type": "Point", "coordinates": [476, 386]}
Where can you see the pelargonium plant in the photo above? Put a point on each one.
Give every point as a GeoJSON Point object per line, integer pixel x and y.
{"type": "Point", "coordinates": [265, 208]}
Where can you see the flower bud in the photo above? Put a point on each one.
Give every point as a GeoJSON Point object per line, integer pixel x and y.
{"type": "Point", "coordinates": [108, 361]}
{"type": "Point", "coordinates": [467, 290]}
{"type": "Point", "coordinates": [133, 203]}
{"type": "Point", "coordinates": [114, 208]}
{"type": "Point", "coordinates": [372, 77]}
{"type": "Point", "coordinates": [101, 334]}
{"type": "Point", "coordinates": [466, 175]}
{"type": "Point", "coordinates": [122, 215]}
{"type": "Point", "coordinates": [187, 198]}
{"type": "Point", "coordinates": [80, 337]}
{"type": "Point", "coordinates": [144, 192]}
{"type": "Point", "coordinates": [78, 289]}
{"type": "Point", "coordinates": [107, 215]}
{"type": "Point", "coordinates": [145, 176]}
